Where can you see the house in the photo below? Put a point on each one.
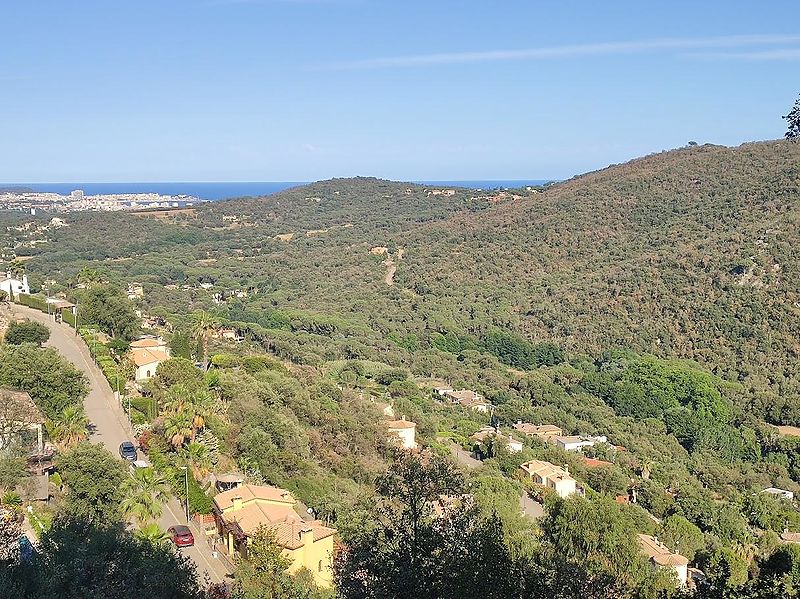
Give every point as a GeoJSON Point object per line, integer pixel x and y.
{"type": "Point", "coordinates": [229, 334]}
{"type": "Point", "coordinates": [467, 398]}
{"type": "Point", "coordinates": [550, 476]}
{"type": "Point", "coordinates": [578, 442]}
{"type": "Point", "coordinates": [146, 359]}
{"type": "Point", "coordinates": [542, 431]}
{"type": "Point", "coordinates": [21, 420]}
{"type": "Point", "coordinates": [779, 493]}
{"type": "Point", "coordinates": [151, 343]}
{"type": "Point", "coordinates": [241, 511]}
{"type": "Point", "coordinates": [14, 286]}
{"type": "Point", "coordinates": [440, 390]}
{"type": "Point", "coordinates": [488, 433]}
{"type": "Point", "coordinates": [660, 556]}
{"type": "Point", "coordinates": [404, 430]}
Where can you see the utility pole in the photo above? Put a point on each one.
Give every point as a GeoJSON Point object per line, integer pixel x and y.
{"type": "Point", "coordinates": [186, 480]}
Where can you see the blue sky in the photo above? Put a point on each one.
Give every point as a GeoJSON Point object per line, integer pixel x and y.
{"type": "Point", "coordinates": [289, 90]}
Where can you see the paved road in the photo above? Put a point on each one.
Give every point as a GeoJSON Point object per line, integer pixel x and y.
{"type": "Point", "coordinates": [110, 427]}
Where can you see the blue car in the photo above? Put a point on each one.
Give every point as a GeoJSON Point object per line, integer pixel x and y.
{"type": "Point", "coordinates": [25, 549]}
{"type": "Point", "coordinates": [127, 451]}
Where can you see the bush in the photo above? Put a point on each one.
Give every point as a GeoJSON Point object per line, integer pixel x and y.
{"type": "Point", "coordinates": [146, 406]}
{"type": "Point", "coordinates": [26, 332]}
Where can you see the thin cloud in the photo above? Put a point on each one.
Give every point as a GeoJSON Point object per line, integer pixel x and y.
{"type": "Point", "coordinates": [543, 53]}
{"type": "Point", "coordinates": [756, 56]}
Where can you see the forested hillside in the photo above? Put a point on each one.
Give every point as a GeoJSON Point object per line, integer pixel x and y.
{"type": "Point", "coordinates": [690, 253]}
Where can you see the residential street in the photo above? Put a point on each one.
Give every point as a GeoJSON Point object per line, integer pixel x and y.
{"type": "Point", "coordinates": [110, 427]}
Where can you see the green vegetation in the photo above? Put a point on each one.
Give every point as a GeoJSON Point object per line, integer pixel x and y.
{"type": "Point", "coordinates": [26, 332]}
{"type": "Point", "coordinates": [654, 303]}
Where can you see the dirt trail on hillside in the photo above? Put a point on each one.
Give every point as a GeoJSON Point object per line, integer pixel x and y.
{"type": "Point", "coordinates": [391, 266]}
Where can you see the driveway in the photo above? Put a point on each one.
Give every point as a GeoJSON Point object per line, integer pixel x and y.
{"type": "Point", "coordinates": [110, 428]}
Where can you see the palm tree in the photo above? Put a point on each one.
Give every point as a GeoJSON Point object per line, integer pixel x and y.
{"type": "Point", "coordinates": [204, 324]}
{"type": "Point", "coordinates": [178, 428]}
{"type": "Point", "coordinates": [198, 458]}
{"type": "Point", "coordinates": [70, 427]}
{"type": "Point", "coordinates": [144, 492]}
{"type": "Point", "coordinates": [153, 534]}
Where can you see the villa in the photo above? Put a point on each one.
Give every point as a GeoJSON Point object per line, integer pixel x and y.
{"type": "Point", "coordinates": [241, 511]}
{"type": "Point", "coordinates": [548, 475]}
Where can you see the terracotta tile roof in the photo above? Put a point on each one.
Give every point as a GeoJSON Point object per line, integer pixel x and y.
{"type": "Point", "coordinates": [537, 429]}
{"type": "Point", "coordinates": [400, 424]}
{"type": "Point", "coordinates": [545, 470]}
{"type": "Point", "coordinates": [250, 492]}
{"type": "Point", "coordinates": [660, 553]}
{"type": "Point", "coordinates": [142, 357]}
{"type": "Point", "coordinates": [595, 463]}
{"type": "Point", "coordinates": [145, 343]}
{"type": "Point", "coordinates": [271, 507]}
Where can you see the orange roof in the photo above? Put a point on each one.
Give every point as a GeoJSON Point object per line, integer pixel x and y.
{"type": "Point", "coordinates": [147, 343]}
{"type": "Point", "coordinates": [545, 470]}
{"type": "Point", "coordinates": [271, 507]}
{"type": "Point", "coordinates": [250, 492]}
{"type": "Point", "coordinates": [400, 424]}
{"type": "Point", "coordinates": [142, 357]}
{"type": "Point", "coordinates": [537, 429]}
{"type": "Point", "coordinates": [660, 553]}
{"type": "Point", "coordinates": [595, 463]}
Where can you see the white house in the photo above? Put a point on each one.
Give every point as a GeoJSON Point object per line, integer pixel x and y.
{"type": "Point", "coordinates": [780, 493]}
{"type": "Point", "coordinates": [146, 361]}
{"type": "Point", "coordinates": [550, 476]}
{"type": "Point", "coordinates": [404, 430]}
{"type": "Point", "coordinates": [151, 343]}
{"type": "Point", "coordinates": [577, 443]}
{"type": "Point", "coordinates": [661, 557]}
{"type": "Point", "coordinates": [13, 286]}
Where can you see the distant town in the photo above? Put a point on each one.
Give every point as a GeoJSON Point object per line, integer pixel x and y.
{"type": "Point", "coordinates": [28, 200]}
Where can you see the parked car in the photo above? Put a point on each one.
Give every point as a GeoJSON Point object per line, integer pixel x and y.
{"type": "Point", "coordinates": [181, 535]}
{"type": "Point", "coordinates": [127, 451]}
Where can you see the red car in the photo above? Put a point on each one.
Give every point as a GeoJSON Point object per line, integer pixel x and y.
{"type": "Point", "coordinates": [181, 535]}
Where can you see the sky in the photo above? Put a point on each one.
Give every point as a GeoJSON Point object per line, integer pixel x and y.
{"type": "Point", "coordinates": [301, 90]}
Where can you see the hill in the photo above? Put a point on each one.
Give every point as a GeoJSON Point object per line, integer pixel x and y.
{"type": "Point", "coordinates": [689, 253]}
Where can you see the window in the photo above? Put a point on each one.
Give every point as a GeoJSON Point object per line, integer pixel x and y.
{"type": "Point", "coordinates": [321, 566]}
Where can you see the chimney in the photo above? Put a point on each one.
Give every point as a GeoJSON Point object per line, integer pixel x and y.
{"type": "Point", "coordinates": [307, 536]}
{"type": "Point", "coordinates": [237, 503]}
{"type": "Point", "coordinates": [566, 468]}
{"type": "Point", "coordinates": [403, 417]}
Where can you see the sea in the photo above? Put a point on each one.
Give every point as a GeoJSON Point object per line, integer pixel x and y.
{"type": "Point", "coordinates": [224, 190]}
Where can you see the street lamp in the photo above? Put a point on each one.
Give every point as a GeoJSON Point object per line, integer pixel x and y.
{"type": "Point", "coordinates": [186, 480]}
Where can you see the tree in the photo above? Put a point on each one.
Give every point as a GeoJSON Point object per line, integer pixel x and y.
{"type": "Point", "coordinates": [263, 575]}
{"type": "Point", "coordinates": [109, 308]}
{"type": "Point", "coordinates": [203, 325]}
{"type": "Point", "coordinates": [26, 331]}
{"type": "Point", "coordinates": [144, 491]}
{"type": "Point", "coordinates": [426, 540]}
{"type": "Point", "coordinates": [77, 559]}
{"type": "Point", "coordinates": [69, 427]}
{"type": "Point", "coordinates": [681, 536]}
{"type": "Point", "coordinates": [94, 478]}
{"type": "Point", "coordinates": [592, 550]}
{"type": "Point", "coordinates": [793, 120]}
{"type": "Point", "coordinates": [153, 534]}
{"type": "Point", "coordinates": [177, 428]}
{"type": "Point", "coordinates": [52, 382]}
